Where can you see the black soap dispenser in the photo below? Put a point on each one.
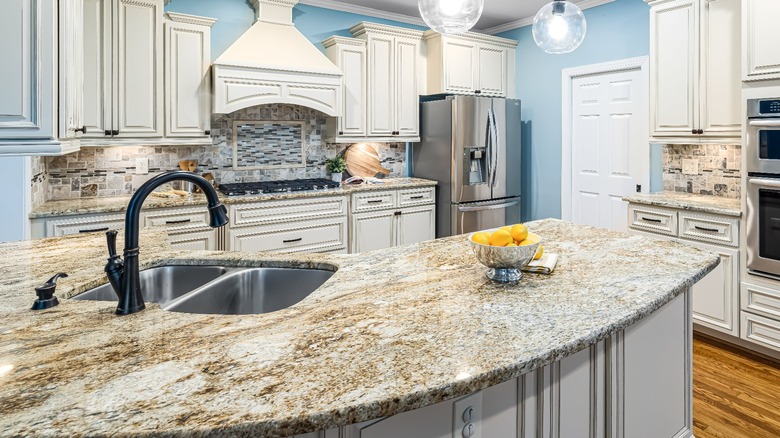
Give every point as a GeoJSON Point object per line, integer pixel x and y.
{"type": "Point", "coordinates": [46, 298]}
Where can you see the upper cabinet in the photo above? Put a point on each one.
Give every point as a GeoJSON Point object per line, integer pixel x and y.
{"type": "Point", "coordinates": [187, 78]}
{"type": "Point", "coordinates": [41, 80]}
{"type": "Point", "coordinates": [695, 81]}
{"type": "Point", "coordinates": [470, 64]}
{"type": "Point", "coordinates": [148, 74]}
{"type": "Point", "coordinates": [760, 57]}
{"type": "Point", "coordinates": [349, 55]}
{"type": "Point", "coordinates": [394, 66]}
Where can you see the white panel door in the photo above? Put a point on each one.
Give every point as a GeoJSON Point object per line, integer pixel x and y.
{"type": "Point", "coordinates": [187, 63]}
{"type": "Point", "coordinates": [353, 66]}
{"type": "Point", "coordinates": [406, 101]}
{"type": "Point", "coordinates": [674, 61]}
{"type": "Point", "coordinates": [761, 58]}
{"type": "Point", "coordinates": [416, 225]}
{"type": "Point", "coordinates": [381, 76]}
{"type": "Point", "coordinates": [139, 71]}
{"type": "Point", "coordinates": [609, 149]}
{"type": "Point", "coordinates": [492, 71]}
{"type": "Point", "coordinates": [721, 85]}
{"type": "Point", "coordinates": [372, 231]}
{"type": "Point", "coordinates": [460, 66]}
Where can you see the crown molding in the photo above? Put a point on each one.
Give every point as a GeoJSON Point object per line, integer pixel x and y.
{"type": "Point", "coordinates": [190, 19]}
{"type": "Point", "coordinates": [527, 21]}
{"type": "Point", "coordinates": [362, 10]}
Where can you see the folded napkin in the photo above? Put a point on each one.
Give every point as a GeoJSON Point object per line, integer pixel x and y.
{"type": "Point", "coordinates": [544, 265]}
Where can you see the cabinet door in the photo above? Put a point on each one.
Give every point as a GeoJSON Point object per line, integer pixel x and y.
{"type": "Point", "coordinates": [372, 231]}
{"type": "Point", "coordinates": [407, 102]}
{"type": "Point", "coordinates": [187, 62]}
{"type": "Point", "coordinates": [674, 60]}
{"type": "Point", "coordinates": [138, 100]}
{"type": "Point", "coordinates": [71, 78]}
{"type": "Point", "coordinates": [460, 66]}
{"type": "Point", "coordinates": [492, 71]}
{"type": "Point", "coordinates": [96, 66]}
{"type": "Point", "coordinates": [716, 296]}
{"type": "Point", "coordinates": [760, 58]}
{"type": "Point", "coordinates": [721, 85]}
{"type": "Point", "coordinates": [353, 66]}
{"type": "Point", "coordinates": [416, 225]}
{"type": "Point", "coordinates": [381, 77]}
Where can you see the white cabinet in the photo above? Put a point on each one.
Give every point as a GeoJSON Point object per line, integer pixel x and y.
{"type": "Point", "coordinates": [716, 296]}
{"type": "Point", "coordinates": [187, 79]}
{"type": "Point", "coordinates": [470, 64]}
{"type": "Point", "coordinates": [387, 218]}
{"type": "Point", "coordinates": [760, 56]}
{"type": "Point", "coordinates": [349, 54]}
{"type": "Point", "coordinates": [694, 74]}
{"type": "Point", "coordinates": [394, 64]}
{"type": "Point", "coordinates": [41, 81]}
{"type": "Point", "coordinates": [123, 59]}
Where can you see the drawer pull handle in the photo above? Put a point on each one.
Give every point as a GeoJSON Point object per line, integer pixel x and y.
{"type": "Point", "coordinates": [417, 197]}
{"type": "Point", "coordinates": [292, 240]}
{"type": "Point", "coordinates": [183, 221]}
{"type": "Point", "coordinates": [711, 230]}
{"type": "Point", "coordinates": [94, 230]}
{"type": "Point", "coordinates": [647, 219]}
{"type": "Point", "coordinates": [375, 201]}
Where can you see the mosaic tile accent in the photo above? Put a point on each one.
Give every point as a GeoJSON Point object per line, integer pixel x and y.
{"type": "Point", "coordinates": [267, 145]}
{"type": "Point", "coordinates": [719, 169]}
{"type": "Point", "coordinates": [88, 172]}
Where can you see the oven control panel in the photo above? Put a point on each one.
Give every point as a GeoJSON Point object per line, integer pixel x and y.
{"type": "Point", "coordinates": [760, 108]}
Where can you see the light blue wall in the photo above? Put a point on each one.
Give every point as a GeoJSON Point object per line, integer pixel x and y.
{"type": "Point", "coordinates": [616, 30]}
{"type": "Point", "coordinates": [234, 17]}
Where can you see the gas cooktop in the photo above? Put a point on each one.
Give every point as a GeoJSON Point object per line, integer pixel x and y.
{"type": "Point", "coordinates": [291, 185]}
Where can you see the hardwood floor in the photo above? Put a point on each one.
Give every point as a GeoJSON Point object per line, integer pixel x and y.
{"type": "Point", "coordinates": [735, 394]}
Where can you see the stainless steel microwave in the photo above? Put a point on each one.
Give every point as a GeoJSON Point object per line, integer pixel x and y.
{"type": "Point", "coordinates": [763, 136]}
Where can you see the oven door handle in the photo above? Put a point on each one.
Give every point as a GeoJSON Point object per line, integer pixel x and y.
{"type": "Point", "coordinates": [763, 182]}
{"type": "Point", "coordinates": [772, 123]}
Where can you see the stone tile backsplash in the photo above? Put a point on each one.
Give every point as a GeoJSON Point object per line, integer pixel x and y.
{"type": "Point", "coordinates": [719, 169]}
{"type": "Point", "coordinates": [90, 172]}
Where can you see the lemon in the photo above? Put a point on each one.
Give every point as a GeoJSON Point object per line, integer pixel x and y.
{"type": "Point", "coordinates": [519, 232]}
{"type": "Point", "coordinates": [501, 238]}
{"type": "Point", "coordinates": [507, 228]}
{"type": "Point", "coordinates": [539, 253]}
{"type": "Point", "coordinates": [512, 244]}
{"type": "Point", "coordinates": [480, 238]}
{"type": "Point", "coordinates": [530, 240]}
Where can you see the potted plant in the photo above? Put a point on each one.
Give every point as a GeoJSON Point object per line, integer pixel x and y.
{"type": "Point", "coordinates": [336, 166]}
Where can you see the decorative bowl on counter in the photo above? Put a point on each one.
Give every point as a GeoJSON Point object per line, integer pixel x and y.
{"type": "Point", "coordinates": [505, 262]}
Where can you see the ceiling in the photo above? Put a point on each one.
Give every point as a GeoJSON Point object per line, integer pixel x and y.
{"type": "Point", "coordinates": [500, 14]}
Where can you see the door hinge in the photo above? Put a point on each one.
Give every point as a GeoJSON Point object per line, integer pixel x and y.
{"type": "Point", "coordinates": [639, 188]}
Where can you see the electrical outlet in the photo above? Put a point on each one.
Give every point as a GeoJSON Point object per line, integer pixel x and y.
{"type": "Point", "coordinates": [690, 167]}
{"type": "Point", "coordinates": [113, 154]}
{"type": "Point", "coordinates": [141, 166]}
{"type": "Point", "coordinates": [467, 416]}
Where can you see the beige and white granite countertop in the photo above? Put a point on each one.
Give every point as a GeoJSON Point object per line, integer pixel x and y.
{"type": "Point", "coordinates": [391, 331]}
{"type": "Point", "coordinates": [689, 201]}
{"type": "Point", "coordinates": [119, 203]}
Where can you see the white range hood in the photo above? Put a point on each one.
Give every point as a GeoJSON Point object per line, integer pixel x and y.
{"type": "Point", "coordinates": [274, 63]}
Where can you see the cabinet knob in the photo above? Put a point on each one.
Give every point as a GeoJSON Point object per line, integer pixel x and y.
{"type": "Point", "coordinates": [107, 132]}
{"type": "Point", "coordinates": [341, 132]}
{"type": "Point", "coordinates": [82, 130]}
{"type": "Point", "coordinates": [701, 131]}
{"type": "Point", "coordinates": [207, 132]}
{"type": "Point", "coordinates": [693, 131]}
{"type": "Point", "coordinates": [478, 92]}
{"type": "Point", "coordinates": [115, 132]}
{"type": "Point", "coordinates": [397, 213]}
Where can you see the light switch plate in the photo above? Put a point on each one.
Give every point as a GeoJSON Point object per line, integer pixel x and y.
{"type": "Point", "coordinates": [113, 154]}
{"type": "Point", "coordinates": [690, 167]}
{"type": "Point", "coordinates": [141, 166]}
{"type": "Point", "coordinates": [473, 404]}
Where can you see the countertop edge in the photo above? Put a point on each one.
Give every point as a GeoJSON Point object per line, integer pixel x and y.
{"type": "Point", "coordinates": [682, 205]}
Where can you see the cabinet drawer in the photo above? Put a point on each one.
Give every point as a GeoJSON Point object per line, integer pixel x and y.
{"type": "Point", "coordinates": [709, 228]}
{"type": "Point", "coordinates": [412, 197]}
{"type": "Point", "coordinates": [760, 300]}
{"type": "Point", "coordinates": [273, 212]}
{"type": "Point", "coordinates": [373, 201]}
{"type": "Point", "coordinates": [760, 330]}
{"type": "Point", "coordinates": [658, 220]}
{"type": "Point", "coordinates": [304, 237]}
{"type": "Point", "coordinates": [194, 240]}
{"type": "Point", "coordinates": [84, 224]}
{"type": "Point", "coordinates": [177, 219]}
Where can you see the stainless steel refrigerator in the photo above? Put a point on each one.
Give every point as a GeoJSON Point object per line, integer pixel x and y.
{"type": "Point", "coordinates": [471, 146]}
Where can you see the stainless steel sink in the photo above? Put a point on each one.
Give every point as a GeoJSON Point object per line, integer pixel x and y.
{"type": "Point", "coordinates": [253, 290]}
{"type": "Point", "coordinates": [163, 284]}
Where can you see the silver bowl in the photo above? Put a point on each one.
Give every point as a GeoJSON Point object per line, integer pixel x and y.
{"type": "Point", "coordinates": [504, 262]}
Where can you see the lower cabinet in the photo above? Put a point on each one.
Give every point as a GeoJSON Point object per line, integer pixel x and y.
{"type": "Point", "coordinates": [716, 296]}
{"type": "Point", "coordinates": [635, 383]}
{"type": "Point", "coordinates": [384, 219]}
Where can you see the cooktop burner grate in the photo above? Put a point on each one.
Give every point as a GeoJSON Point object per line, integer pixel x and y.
{"type": "Point", "coordinates": [282, 186]}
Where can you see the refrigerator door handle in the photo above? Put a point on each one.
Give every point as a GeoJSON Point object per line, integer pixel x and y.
{"type": "Point", "coordinates": [489, 149]}
{"type": "Point", "coordinates": [494, 146]}
{"type": "Point", "coordinates": [488, 207]}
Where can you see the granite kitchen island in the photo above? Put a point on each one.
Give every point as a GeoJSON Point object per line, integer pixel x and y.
{"type": "Point", "coordinates": [603, 343]}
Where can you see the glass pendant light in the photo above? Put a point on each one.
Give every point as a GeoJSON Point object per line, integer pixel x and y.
{"type": "Point", "coordinates": [450, 16]}
{"type": "Point", "coordinates": [559, 27]}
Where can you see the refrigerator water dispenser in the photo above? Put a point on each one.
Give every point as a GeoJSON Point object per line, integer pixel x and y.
{"type": "Point", "coordinates": [475, 163]}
